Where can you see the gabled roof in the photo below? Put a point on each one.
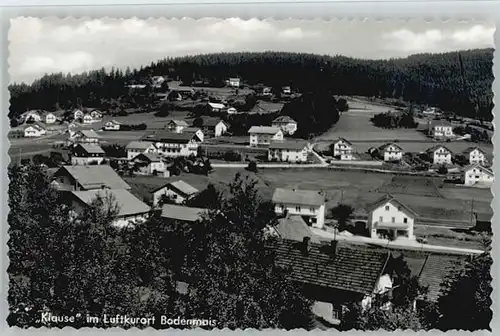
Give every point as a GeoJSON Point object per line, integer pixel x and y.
{"type": "Point", "coordinates": [288, 144]}
{"type": "Point", "coordinates": [182, 213]}
{"type": "Point", "coordinates": [139, 145]}
{"type": "Point", "coordinates": [149, 157]}
{"type": "Point", "coordinates": [298, 197]}
{"type": "Point", "coordinates": [389, 198]}
{"type": "Point", "coordinates": [470, 149]}
{"type": "Point", "coordinates": [35, 125]}
{"type": "Point", "coordinates": [191, 130]}
{"type": "Point", "coordinates": [172, 137]}
{"type": "Point", "coordinates": [88, 133]}
{"type": "Point", "coordinates": [284, 119]}
{"type": "Point", "coordinates": [349, 269]}
{"type": "Point", "coordinates": [216, 105]}
{"type": "Point", "coordinates": [294, 228]}
{"type": "Point", "coordinates": [91, 149]}
{"type": "Point", "coordinates": [384, 146]}
{"type": "Point", "coordinates": [486, 170]}
{"type": "Point", "coordinates": [113, 122]}
{"type": "Point", "coordinates": [181, 187]}
{"type": "Point", "coordinates": [94, 177]}
{"type": "Point", "coordinates": [435, 148]}
{"type": "Point", "coordinates": [178, 122]}
{"type": "Point", "coordinates": [263, 130]}
{"type": "Point", "coordinates": [128, 204]}
{"type": "Point", "coordinates": [213, 122]}
{"type": "Point", "coordinates": [344, 140]}
{"type": "Point", "coordinates": [434, 123]}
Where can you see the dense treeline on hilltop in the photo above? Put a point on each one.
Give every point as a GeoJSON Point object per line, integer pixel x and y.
{"type": "Point", "coordinates": [459, 82]}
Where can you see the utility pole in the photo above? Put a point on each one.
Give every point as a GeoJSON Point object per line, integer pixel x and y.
{"type": "Point", "coordinates": [472, 211]}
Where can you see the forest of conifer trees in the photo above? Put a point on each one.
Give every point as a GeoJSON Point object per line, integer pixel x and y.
{"type": "Point", "coordinates": [455, 81]}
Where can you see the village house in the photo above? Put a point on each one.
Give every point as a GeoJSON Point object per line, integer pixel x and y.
{"type": "Point", "coordinates": [87, 154]}
{"type": "Point", "coordinates": [431, 111]}
{"type": "Point", "coordinates": [342, 149]}
{"type": "Point", "coordinates": [263, 135]}
{"type": "Point", "coordinates": [309, 204]}
{"type": "Point", "coordinates": [289, 151]}
{"type": "Point", "coordinates": [177, 191]}
{"type": "Point", "coordinates": [112, 125]}
{"type": "Point", "coordinates": [87, 118]}
{"type": "Point", "coordinates": [230, 110]}
{"type": "Point", "coordinates": [439, 155]}
{"type": "Point", "coordinates": [77, 114]}
{"type": "Point", "coordinates": [391, 152]}
{"type": "Point", "coordinates": [333, 275]}
{"type": "Point", "coordinates": [85, 136]}
{"type": "Point", "coordinates": [131, 210]}
{"type": "Point", "coordinates": [32, 115]}
{"type": "Point", "coordinates": [286, 90]}
{"type": "Point", "coordinates": [389, 217]}
{"type": "Point", "coordinates": [135, 148]}
{"type": "Point", "coordinates": [266, 91]}
{"type": "Point", "coordinates": [34, 130]}
{"type": "Point", "coordinates": [49, 117]}
{"type": "Point", "coordinates": [440, 129]}
{"type": "Point", "coordinates": [194, 130]}
{"type": "Point", "coordinates": [216, 107]}
{"type": "Point", "coordinates": [477, 175]}
{"type": "Point", "coordinates": [172, 144]}
{"type": "Point", "coordinates": [149, 164]}
{"type": "Point", "coordinates": [292, 227]}
{"type": "Point", "coordinates": [179, 213]}
{"type": "Point", "coordinates": [88, 178]}
{"type": "Point", "coordinates": [475, 155]}
{"type": "Point", "coordinates": [96, 114]}
{"type": "Point", "coordinates": [176, 126]}
{"type": "Point", "coordinates": [213, 127]}
{"type": "Point", "coordinates": [234, 82]}
{"type": "Point", "coordinates": [286, 124]}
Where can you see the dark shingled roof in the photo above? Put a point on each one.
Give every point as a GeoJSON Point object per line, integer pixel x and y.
{"type": "Point", "coordinates": [351, 269]}
{"type": "Point", "coordinates": [294, 228]}
{"type": "Point", "coordinates": [289, 144]}
{"type": "Point", "coordinates": [171, 137]}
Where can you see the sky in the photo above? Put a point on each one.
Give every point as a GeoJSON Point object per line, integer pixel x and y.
{"type": "Point", "coordinates": [47, 45]}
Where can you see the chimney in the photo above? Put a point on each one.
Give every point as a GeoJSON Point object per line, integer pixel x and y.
{"type": "Point", "coordinates": [333, 246]}
{"type": "Point", "coordinates": [306, 245]}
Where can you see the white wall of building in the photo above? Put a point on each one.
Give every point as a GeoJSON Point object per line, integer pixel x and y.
{"type": "Point", "coordinates": [477, 174]}
{"type": "Point", "coordinates": [389, 213]}
{"type": "Point", "coordinates": [313, 211]}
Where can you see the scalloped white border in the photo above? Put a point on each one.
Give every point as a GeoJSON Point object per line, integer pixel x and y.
{"type": "Point", "coordinates": [399, 11]}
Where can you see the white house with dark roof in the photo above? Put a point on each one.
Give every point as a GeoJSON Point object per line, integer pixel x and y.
{"type": "Point", "coordinates": [440, 154]}
{"type": "Point", "coordinates": [112, 125]}
{"type": "Point", "coordinates": [213, 127]}
{"type": "Point", "coordinates": [475, 155]}
{"type": "Point", "coordinates": [131, 210]}
{"type": "Point", "coordinates": [477, 175]}
{"type": "Point", "coordinates": [149, 164]}
{"type": "Point", "coordinates": [234, 82]}
{"type": "Point", "coordinates": [88, 177]}
{"type": "Point", "coordinates": [216, 107]}
{"type": "Point", "coordinates": [34, 130]}
{"type": "Point", "coordinates": [342, 149]}
{"type": "Point", "coordinates": [195, 130]}
{"type": "Point", "coordinates": [176, 126]}
{"type": "Point", "coordinates": [171, 144]}
{"type": "Point", "coordinates": [96, 114]}
{"type": "Point", "coordinates": [49, 117]}
{"type": "Point", "coordinates": [33, 115]}
{"type": "Point", "coordinates": [309, 204]}
{"type": "Point", "coordinates": [85, 136]}
{"type": "Point", "coordinates": [286, 124]}
{"type": "Point", "coordinates": [391, 218]}
{"type": "Point", "coordinates": [263, 135]}
{"type": "Point", "coordinates": [289, 151]}
{"type": "Point", "coordinates": [135, 148]}
{"type": "Point", "coordinates": [440, 129]}
{"type": "Point", "coordinates": [77, 114]}
{"type": "Point", "coordinates": [391, 152]}
{"type": "Point", "coordinates": [87, 118]}
{"type": "Point", "coordinates": [85, 154]}
{"type": "Point", "coordinates": [178, 191]}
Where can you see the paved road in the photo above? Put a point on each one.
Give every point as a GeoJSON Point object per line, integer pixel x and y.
{"type": "Point", "coordinates": [270, 165]}
{"type": "Point", "coordinates": [398, 243]}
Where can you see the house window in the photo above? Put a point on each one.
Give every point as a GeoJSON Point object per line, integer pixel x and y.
{"type": "Point", "coordinates": [405, 220]}
{"type": "Point", "coordinates": [312, 210]}
{"type": "Point", "coordinates": [386, 208]}
{"type": "Point", "coordinates": [297, 209]}
{"type": "Point", "coordinates": [393, 219]}
{"type": "Point", "coordinates": [381, 219]}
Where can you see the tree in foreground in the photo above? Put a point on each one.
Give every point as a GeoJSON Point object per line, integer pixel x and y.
{"type": "Point", "coordinates": [342, 213]}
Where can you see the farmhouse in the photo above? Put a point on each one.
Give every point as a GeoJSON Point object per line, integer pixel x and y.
{"type": "Point", "coordinates": [112, 125]}
{"type": "Point", "coordinates": [131, 210]}
{"type": "Point", "coordinates": [32, 115]}
{"type": "Point", "coordinates": [477, 175]}
{"type": "Point", "coordinates": [77, 114]}
{"type": "Point", "coordinates": [214, 127]}
{"type": "Point", "coordinates": [230, 110]}
{"type": "Point", "coordinates": [234, 82]}
{"type": "Point", "coordinates": [390, 218]}
{"type": "Point", "coordinates": [49, 117]}
{"type": "Point", "coordinates": [391, 152]}
{"type": "Point", "coordinates": [216, 107]}
{"type": "Point", "coordinates": [135, 148]}
{"type": "Point", "coordinates": [172, 144]}
{"type": "Point", "coordinates": [149, 164]}
{"type": "Point", "coordinates": [342, 149]}
{"type": "Point", "coordinates": [475, 155]}
{"type": "Point", "coordinates": [176, 125]}
{"type": "Point", "coordinates": [263, 135]}
{"type": "Point", "coordinates": [333, 275]}
{"type": "Point", "coordinates": [286, 124]}
{"type": "Point", "coordinates": [194, 130]}
{"type": "Point", "coordinates": [286, 90]}
{"type": "Point", "coordinates": [309, 204]}
{"type": "Point", "coordinates": [96, 114]}
{"type": "Point", "coordinates": [34, 130]}
{"type": "Point", "coordinates": [439, 154]}
{"type": "Point", "coordinates": [88, 178]}
{"type": "Point", "coordinates": [182, 91]}
{"type": "Point", "coordinates": [177, 191]}
{"type": "Point", "coordinates": [85, 154]}
{"type": "Point", "coordinates": [440, 129]}
{"type": "Point", "coordinates": [85, 136]}
{"type": "Point", "coordinates": [288, 151]}
{"type": "Point", "coordinates": [173, 212]}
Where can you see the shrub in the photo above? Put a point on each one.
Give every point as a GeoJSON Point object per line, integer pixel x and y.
{"type": "Point", "coordinates": [252, 166]}
{"type": "Point", "coordinates": [232, 156]}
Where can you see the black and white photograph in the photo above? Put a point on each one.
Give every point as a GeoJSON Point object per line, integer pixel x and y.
{"type": "Point", "coordinates": [250, 173]}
